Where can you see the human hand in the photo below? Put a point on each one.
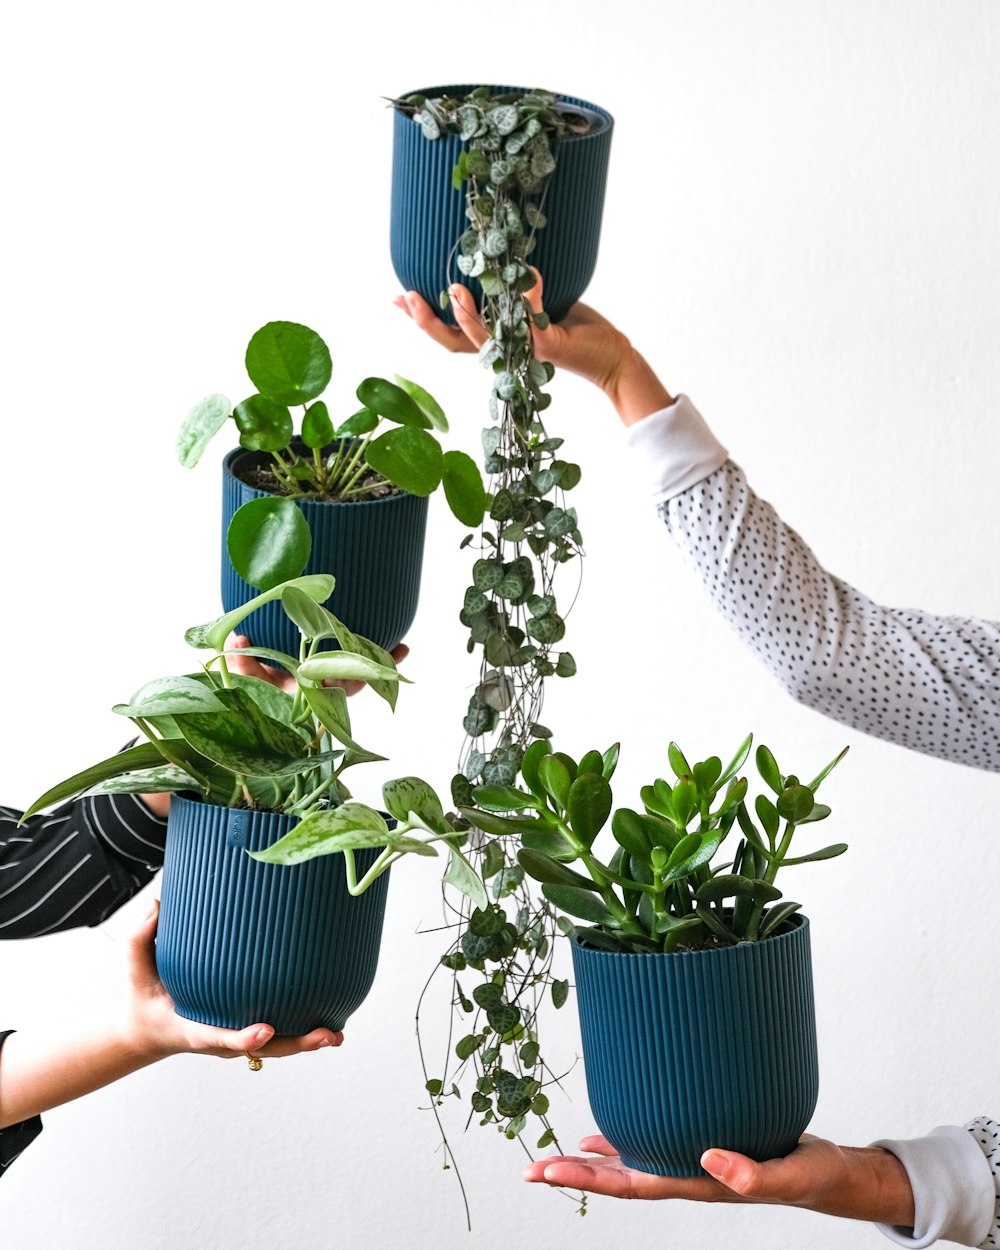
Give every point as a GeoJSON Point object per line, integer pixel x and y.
{"type": "Point", "coordinates": [154, 1029]}
{"type": "Point", "coordinates": [584, 342]}
{"type": "Point", "coordinates": [251, 666]}
{"type": "Point", "coordinates": [861, 1183]}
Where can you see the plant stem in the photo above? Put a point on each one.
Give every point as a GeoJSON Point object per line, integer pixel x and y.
{"type": "Point", "coordinates": [355, 887]}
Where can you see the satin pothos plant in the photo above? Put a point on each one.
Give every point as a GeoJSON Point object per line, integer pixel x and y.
{"type": "Point", "coordinates": [241, 741]}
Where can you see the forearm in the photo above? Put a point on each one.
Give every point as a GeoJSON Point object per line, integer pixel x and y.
{"type": "Point", "coordinates": [38, 1072]}
{"type": "Point", "coordinates": [871, 1185]}
{"type": "Point", "coordinates": [76, 865]}
{"type": "Point", "coordinates": [634, 388]}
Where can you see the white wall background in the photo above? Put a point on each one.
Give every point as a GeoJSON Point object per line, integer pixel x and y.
{"type": "Point", "coordinates": [800, 232]}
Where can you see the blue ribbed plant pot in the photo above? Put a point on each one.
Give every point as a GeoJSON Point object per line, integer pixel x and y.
{"type": "Point", "coordinates": [240, 942]}
{"type": "Point", "coordinates": [373, 547]}
{"type": "Point", "coordinates": [428, 213]}
{"type": "Point", "coordinates": [702, 1048]}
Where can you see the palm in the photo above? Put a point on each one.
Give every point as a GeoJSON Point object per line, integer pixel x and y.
{"type": "Point", "coordinates": [796, 1180]}
{"type": "Point", "coordinates": [584, 342]}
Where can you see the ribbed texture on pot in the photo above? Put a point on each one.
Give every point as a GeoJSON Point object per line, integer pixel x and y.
{"type": "Point", "coordinates": [428, 214]}
{"type": "Point", "coordinates": [701, 1048]}
{"type": "Point", "coordinates": [241, 943]}
{"type": "Point", "coordinates": [374, 548]}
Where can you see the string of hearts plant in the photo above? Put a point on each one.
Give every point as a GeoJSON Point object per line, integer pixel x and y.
{"type": "Point", "coordinates": [510, 608]}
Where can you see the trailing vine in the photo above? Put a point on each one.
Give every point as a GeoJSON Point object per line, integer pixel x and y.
{"type": "Point", "coordinates": [510, 608]}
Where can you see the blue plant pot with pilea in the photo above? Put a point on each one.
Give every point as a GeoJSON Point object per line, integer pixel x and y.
{"type": "Point", "coordinates": [693, 1049]}
{"type": "Point", "coordinates": [241, 942]}
{"type": "Point", "coordinates": [373, 547]}
{"type": "Point", "coordinates": [428, 213]}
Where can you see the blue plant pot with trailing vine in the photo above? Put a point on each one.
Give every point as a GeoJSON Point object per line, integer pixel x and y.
{"type": "Point", "coordinates": [693, 1049]}
{"type": "Point", "coordinates": [373, 547]}
{"type": "Point", "coordinates": [428, 213]}
{"type": "Point", "coordinates": [241, 942]}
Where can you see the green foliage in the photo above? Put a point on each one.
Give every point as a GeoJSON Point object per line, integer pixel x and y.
{"type": "Point", "coordinates": [290, 364]}
{"type": "Point", "coordinates": [239, 741]}
{"type": "Point", "coordinates": [511, 608]}
{"type": "Point", "coordinates": [661, 889]}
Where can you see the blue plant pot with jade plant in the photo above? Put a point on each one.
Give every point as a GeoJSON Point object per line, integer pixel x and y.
{"type": "Point", "coordinates": [692, 1049]}
{"type": "Point", "coordinates": [240, 941]}
{"type": "Point", "coordinates": [428, 215]}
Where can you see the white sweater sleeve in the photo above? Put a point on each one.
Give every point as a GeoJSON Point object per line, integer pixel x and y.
{"type": "Point", "coordinates": [930, 683]}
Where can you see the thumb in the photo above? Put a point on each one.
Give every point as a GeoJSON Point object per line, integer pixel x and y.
{"type": "Point", "coordinates": [141, 951]}
{"type": "Point", "coordinates": [533, 296]}
{"type": "Point", "coordinates": [737, 1172]}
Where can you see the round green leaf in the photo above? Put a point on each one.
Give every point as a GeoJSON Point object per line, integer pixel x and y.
{"type": "Point", "coordinates": [263, 424]}
{"type": "Point", "coordinates": [426, 402]}
{"type": "Point", "coordinates": [408, 457]}
{"type": "Point", "coordinates": [390, 400]}
{"type": "Point", "coordinates": [288, 362]}
{"type": "Point", "coordinates": [268, 541]}
{"type": "Point", "coordinates": [463, 487]}
{"type": "Point", "coordinates": [202, 423]}
{"type": "Point", "coordinates": [317, 428]}
{"type": "Point", "coordinates": [795, 803]}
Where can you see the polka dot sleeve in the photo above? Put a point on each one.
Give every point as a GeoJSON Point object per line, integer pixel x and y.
{"type": "Point", "coordinates": [987, 1135]}
{"type": "Point", "coordinates": [930, 683]}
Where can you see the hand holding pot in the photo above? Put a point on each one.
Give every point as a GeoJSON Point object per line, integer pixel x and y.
{"type": "Point", "coordinates": [861, 1183]}
{"type": "Point", "coordinates": [156, 1030]}
{"type": "Point", "coordinates": [584, 342]}
{"type": "Point", "coordinates": [42, 1071]}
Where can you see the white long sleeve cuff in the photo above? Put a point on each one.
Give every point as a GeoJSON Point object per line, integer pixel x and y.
{"type": "Point", "coordinates": [675, 448]}
{"type": "Point", "coordinates": [953, 1190]}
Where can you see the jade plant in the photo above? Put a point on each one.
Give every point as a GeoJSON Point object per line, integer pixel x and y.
{"type": "Point", "coordinates": [662, 888]}
{"type": "Point", "coordinates": [658, 887]}
{"type": "Point", "coordinates": [290, 365]}
{"type": "Point", "coordinates": [241, 741]}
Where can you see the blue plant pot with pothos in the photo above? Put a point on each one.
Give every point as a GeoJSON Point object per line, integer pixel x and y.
{"type": "Point", "coordinates": [428, 212]}
{"type": "Point", "coordinates": [241, 942]}
{"type": "Point", "coordinates": [693, 1049]}
{"type": "Point", "coordinates": [373, 547]}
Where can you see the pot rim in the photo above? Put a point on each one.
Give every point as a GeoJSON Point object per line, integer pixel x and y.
{"type": "Point", "coordinates": [190, 798]}
{"type": "Point", "coordinates": [231, 457]}
{"type": "Point", "coordinates": [799, 921]}
{"type": "Point", "coordinates": [602, 115]}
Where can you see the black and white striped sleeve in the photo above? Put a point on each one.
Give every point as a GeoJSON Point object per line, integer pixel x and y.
{"type": "Point", "coordinates": [16, 1137]}
{"type": "Point", "coordinates": [77, 865]}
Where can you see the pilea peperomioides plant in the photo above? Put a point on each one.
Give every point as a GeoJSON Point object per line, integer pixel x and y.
{"type": "Point", "coordinates": [268, 538]}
